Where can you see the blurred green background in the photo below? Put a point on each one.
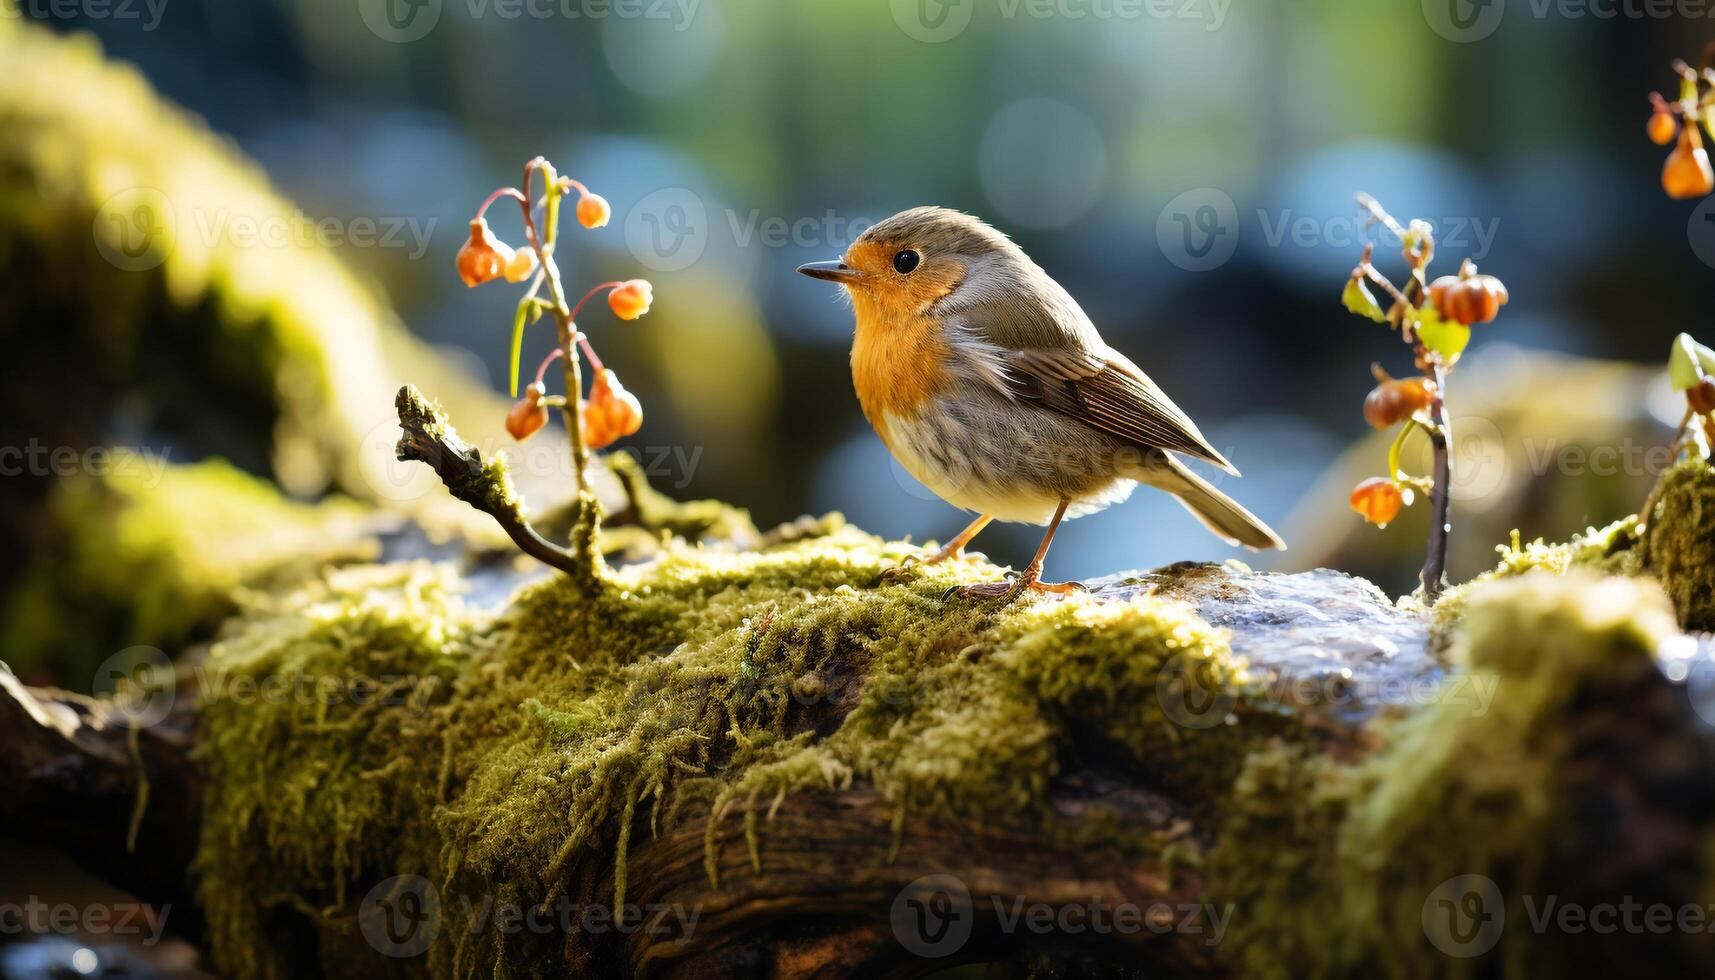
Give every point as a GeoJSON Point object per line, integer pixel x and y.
{"type": "Point", "coordinates": [1184, 167]}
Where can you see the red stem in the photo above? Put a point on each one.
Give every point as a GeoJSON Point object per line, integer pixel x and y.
{"type": "Point", "coordinates": [511, 192]}
{"type": "Point", "coordinates": [542, 369]}
{"type": "Point", "coordinates": [589, 352]}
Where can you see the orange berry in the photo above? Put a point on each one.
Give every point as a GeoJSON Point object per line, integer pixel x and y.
{"type": "Point", "coordinates": [631, 299]}
{"type": "Point", "coordinates": [593, 211]}
{"type": "Point", "coordinates": [521, 266]}
{"type": "Point", "coordinates": [483, 256]}
{"type": "Point", "coordinates": [1468, 299]}
{"type": "Point", "coordinates": [1687, 172]}
{"type": "Point", "coordinates": [1662, 128]}
{"type": "Point", "coordinates": [611, 413]}
{"type": "Point", "coordinates": [528, 414]}
{"type": "Point", "coordinates": [1378, 499]}
{"type": "Point", "coordinates": [1394, 400]}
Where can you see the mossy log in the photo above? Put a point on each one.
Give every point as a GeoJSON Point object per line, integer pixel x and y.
{"type": "Point", "coordinates": [793, 764]}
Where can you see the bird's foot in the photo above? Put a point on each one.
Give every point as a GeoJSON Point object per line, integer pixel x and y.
{"type": "Point", "coordinates": [949, 553]}
{"type": "Point", "coordinates": [900, 570]}
{"type": "Point", "coordinates": [1012, 588]}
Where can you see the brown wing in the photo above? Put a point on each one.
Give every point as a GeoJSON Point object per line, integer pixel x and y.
{"type": "Point", "coordinates": [1107, 391]}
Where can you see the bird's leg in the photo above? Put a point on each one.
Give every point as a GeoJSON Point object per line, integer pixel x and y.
{"type": "Point", "coordinates": [1030, 578]}
{"type": "Point", "coordinates": [954, 549]}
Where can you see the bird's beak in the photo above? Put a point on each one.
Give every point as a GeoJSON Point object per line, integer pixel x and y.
{"type": "Point", "coordinates": [833, 271]}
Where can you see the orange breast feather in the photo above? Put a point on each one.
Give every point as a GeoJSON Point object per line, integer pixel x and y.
{"type": "Point", "coordinates": [897, 367]}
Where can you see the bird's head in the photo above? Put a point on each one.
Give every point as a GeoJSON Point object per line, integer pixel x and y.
{"type": "Point", "coordinates": [900, 267]}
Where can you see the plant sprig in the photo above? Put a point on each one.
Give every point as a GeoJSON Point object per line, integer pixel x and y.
{"type": "Point", "coordinates": [1435, 319]}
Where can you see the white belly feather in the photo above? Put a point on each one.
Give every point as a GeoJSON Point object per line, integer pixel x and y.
{"type": "Point", "coordinates": [1011, 471]}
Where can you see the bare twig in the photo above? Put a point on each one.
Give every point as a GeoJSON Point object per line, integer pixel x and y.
{"type": "Point", "coordinates": [483, 484]}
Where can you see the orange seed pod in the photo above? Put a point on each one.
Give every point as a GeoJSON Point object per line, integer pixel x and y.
{"type": "Point", "coordinates": [1687, 173]}
{"type": "Point", "coordinates": [630, 299]}
{"type": "Point", "coordinates": [1662, 127]}
{"type": "Point", "coordinates": [528, 414]}
{"type": "Point", "coordinates": [1378, 500]}
{"type": "Point", "coordinates": [593, 210]}
{"type": "Point", "coordinates": [482, 257]}
{"type": "Point", "coordinates": [1468, 299]}
{"type": "Point", "coordinates": [521, 266]}
{"type": "Point", "coordinates": [1394, 400]}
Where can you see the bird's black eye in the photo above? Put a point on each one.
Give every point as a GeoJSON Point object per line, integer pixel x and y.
{"type": "Point", "coordinates": [905, 260]}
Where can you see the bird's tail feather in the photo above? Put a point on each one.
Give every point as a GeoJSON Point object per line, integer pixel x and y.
{"type": "Point", "coordinates": [1218, 512]}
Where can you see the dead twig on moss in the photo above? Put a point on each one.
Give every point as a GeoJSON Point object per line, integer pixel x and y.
{"type": "Point", "coordinates": [484, 484]}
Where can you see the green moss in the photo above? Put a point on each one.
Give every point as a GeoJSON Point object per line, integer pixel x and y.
{"type": "Point", "coordinates": [173, 304]}
{"type": "Point", "coordinates": [1677, 549]}
{"type": "Point", "coordinates": [150, 554]}
{"type": "Point", "coordinates": [1681, 542]}
{"type": "Point", "coordinates": [693, 520]}
{"type": "Point", "coordinates": [704, 682]}
{"type": "Point", "coordinates": [1331, 864]}
{"type": "Point", "coordinates": [323, 755]}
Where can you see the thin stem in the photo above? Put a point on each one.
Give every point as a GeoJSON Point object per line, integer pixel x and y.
{"type": "Point", "coordinates": [542, 369]}
{"type": "Point", "coordinates": [593, 290]}
{"type": "Point", "coordinates": [512, 192]}
{"type": "Point", "coordinates": [583, 342]}
{"type": "Point", "coordinates": [1375, 276]}
{"type": "Point", "coordinates": [1374, 207]}
{"type": "Point", "coordinates": [1435, 563]}
{"type": "Point", "coordinates": [562, 321]}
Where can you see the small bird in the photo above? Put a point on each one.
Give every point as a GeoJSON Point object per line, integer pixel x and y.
{"type": "Point", "coordinates": [989, 384]}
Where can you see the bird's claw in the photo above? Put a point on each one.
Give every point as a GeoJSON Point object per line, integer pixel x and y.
{"type": "Point", "coordinates": [987, 591]}
{"type": "Point", "coordinates": [1011, 588]}
{"type": "Point", "coordinates": [900, 570]}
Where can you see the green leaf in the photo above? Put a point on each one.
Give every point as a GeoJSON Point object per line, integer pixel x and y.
{"type": "Point", "coordinates": [1445, 337]}
{"type": "Point", "coordinates": [1682, 363]}
{"type": "Point", "coordinates": [518, 342]}
{"type": "Point", "coordinates": [1689, 362]}
{"type": "Point", "coordinates": [1358, 299]}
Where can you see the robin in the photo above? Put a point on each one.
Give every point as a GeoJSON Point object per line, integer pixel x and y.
{"type": "Point", "coordinates": [991, 387]}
